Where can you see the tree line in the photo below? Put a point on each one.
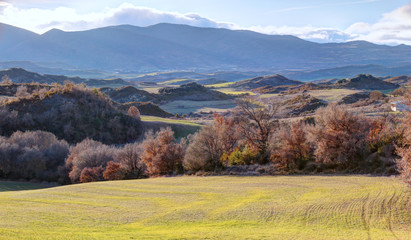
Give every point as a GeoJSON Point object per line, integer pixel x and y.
{"type": "Point", "coordinates": [334, 140]}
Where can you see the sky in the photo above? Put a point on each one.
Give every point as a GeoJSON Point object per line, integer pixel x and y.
{"type": "Point", "coordinates": [378, 21]}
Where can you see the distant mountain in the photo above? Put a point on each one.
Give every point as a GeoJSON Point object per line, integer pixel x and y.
{"type": "Point", "coordinates": [348, 72]}
{"type": "Point", "coordinates": [265, 81]}
{"type": "Point", "coordinates": [180, 47]}
{"type": "Point", "coordinates": [366, 82]}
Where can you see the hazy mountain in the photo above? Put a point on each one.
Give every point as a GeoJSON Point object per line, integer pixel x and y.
{"type": "Point", "coordinates": [170, 46]}
{"type": "Point", "coordinates": [348, 72]}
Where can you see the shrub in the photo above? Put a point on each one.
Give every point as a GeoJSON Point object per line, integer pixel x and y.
{"type": "Point", "coordinates": [161, 154]}
{"type": "Point", "coordinates": [242, 156]}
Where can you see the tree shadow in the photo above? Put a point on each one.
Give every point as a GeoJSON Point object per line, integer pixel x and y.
{"type": "Point", "coordinates": [7, 186]}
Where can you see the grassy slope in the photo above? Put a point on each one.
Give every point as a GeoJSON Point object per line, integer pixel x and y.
{"type": "Point", "coordinates": [295, 207]}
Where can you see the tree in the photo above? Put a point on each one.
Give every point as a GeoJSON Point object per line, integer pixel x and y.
{"type": "Point", "coordinates": [113, 171]}
{"type": "Point", "coordinates": [161, 154]}
{"type": "Point", "coordinates": [338, 135]}
{"type": "Point", "coordinates": [130, 160]}
{"type": "Point", "coordinates": [404, 150]}
{"type": "Point", "coordinates": [257, 121]}
{"type": "Point", "coordinates": [293, 149]}
{"type": "Point", "coordinates": [207, 147]}
{"type": "Point", "coordinates": [134, 112]}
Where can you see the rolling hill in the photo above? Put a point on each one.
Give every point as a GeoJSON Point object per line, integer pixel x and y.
{"type": "Point", "coordinates": [265, 81]}
{"type": "Point", "coordinates": [19, 75]}
{"type": "Point", "coordinates": [170, 46]}
{"type": "Point", "coordinates": [365, 81]}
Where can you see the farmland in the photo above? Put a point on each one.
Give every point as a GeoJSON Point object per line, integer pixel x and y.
{"type": "Point", "coordinates": [284, 207]}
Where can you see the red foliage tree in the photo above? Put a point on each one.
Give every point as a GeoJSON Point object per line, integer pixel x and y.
{"type": "Point", "coordinates": [113, 171]}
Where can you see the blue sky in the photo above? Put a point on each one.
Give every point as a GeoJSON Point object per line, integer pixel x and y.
{"type": "Point", "coordinates": [379, 21]}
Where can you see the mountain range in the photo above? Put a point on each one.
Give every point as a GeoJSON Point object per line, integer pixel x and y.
{"type": "Point", "coordinates": [164, 47]}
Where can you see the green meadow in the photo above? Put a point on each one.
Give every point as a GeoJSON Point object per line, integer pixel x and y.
{"type": "Point", "coordinates": [283, 207]}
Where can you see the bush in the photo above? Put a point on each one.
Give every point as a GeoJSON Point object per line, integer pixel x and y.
{"type": "Point", "coordinates": [242, 156]}
{"type": "Point", "coordinates": [161, 155]}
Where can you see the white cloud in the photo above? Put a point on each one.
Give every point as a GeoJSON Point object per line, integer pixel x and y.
{"type": "Point", "coordinates": [314, 34]}
{"type": "Point", "coordinates": [392, 28]}
{"type": "Point", "coordinates": [42, 20]}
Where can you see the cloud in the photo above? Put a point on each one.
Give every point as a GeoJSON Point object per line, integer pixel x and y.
{"type": "Point", "coordinates": [42, 20]}
{"type": "Point", "coordinates": [393, 28]}
{"type": "Point", "coordinates": [321, 35]}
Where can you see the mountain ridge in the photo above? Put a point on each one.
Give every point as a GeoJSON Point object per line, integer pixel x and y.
{"type": "Point", "coordinates": [170, 46]}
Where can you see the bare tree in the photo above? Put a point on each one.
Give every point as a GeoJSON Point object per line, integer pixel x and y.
{"type": "Point", "coordinates": [257, 121]}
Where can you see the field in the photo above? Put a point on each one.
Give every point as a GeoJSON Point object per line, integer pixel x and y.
{"type": "Point", "coordinates": [284, 207]}
{"type": "Point", "coordinates": [185, 106]}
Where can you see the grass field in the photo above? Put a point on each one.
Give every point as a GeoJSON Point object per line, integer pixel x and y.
{"type": "Point", "coordinates": [331, 95]}
{"type": "Point", "coordinates": [185, 106]}
{"type": "Point", "coordinates": [285, 207]}
{"type": "Point", "coordinates": [168, 120]}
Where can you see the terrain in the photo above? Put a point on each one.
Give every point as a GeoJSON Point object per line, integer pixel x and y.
{"type": "Point", "coordinates": [286, 207]}
{"type": "Point", "coordinates": [165, 47]}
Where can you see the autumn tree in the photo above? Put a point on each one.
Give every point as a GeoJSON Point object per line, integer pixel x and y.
{"type": "Point", "coordinates": [129, 158]}
{"type": "Point", "coordinates": [292, 150]}
{"type": "Point", "coordinates": [338, 135]}
{"type": "Point", "coordinates": [208, 146]}
{"type": "Point", "coordinates": [134, 112]}
{"type": "Point", "coordinates": [161, 154]}
{"type": "Point", "coordinates": [404, 150]}
{"type": "Point", "coordinates": [257, 121]}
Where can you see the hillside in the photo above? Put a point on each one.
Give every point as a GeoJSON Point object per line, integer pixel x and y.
{"type": "Point", "coordinates": [71, 113]}
{"type": "Point", "coordinates": [191, 91]}
{"type": "Point", "coordinates": [19, 75]}
{"type": "Point", "coordinates": [270, 81]}
{"type": "Point", "coordinates": [365, 81]}
{"type": "Point", "coordinates": [146, 108]}
{"type": "Point", "coordinates": [180, 47]}
{"type": "Point", "coordinates": [400, 80]}
{"type": "Point", "coordinates": [282, 207]}
{"type": "Point", "coordinates": [129, 94]}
